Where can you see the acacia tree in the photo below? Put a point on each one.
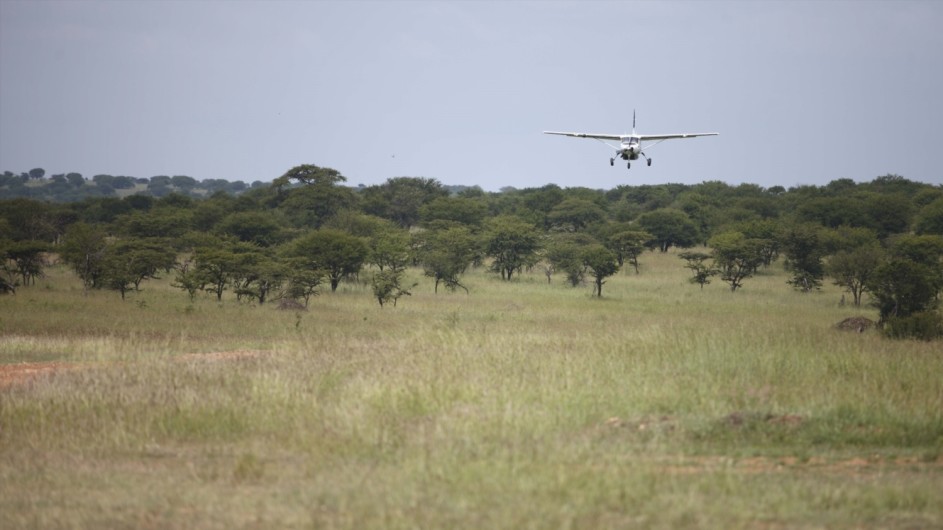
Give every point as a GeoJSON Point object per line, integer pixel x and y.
{"type": "Point", "coordinates": [388, 248]}
{"type": "Point", "coordinates": [804, 247]}
{"type": "Point", "coordinates": [187, 279]}
{"type": "Point", "coordinates": [27, 258]}
{"type": "Point", "coordinates": [7, 284]}
{"type": "Point", "coordinates": [317, 200]}
{"type": "Point", "coordinates": [400, 199]}
{"type": "Point", "coordinates": [116, 272]}
{"type": "Point", "coordinates": [445, 254]}
{"type": "Point", "coordinates": [669, 228]}
{"type": "Point", "coordinates": [564, 252]}
{"type": "Point", "coordinates": [852, 269]}
{"type": "Point", "coordinates": [83, 249]}
{"type": "Point", "coordinates": [219, 266]}
{"type": "Point", "coordinates": [907, 287]}
{"type": "Point", "coordinates": [736, 257]}
{"type": "Point", "coordinates": [702, 272]}
{"type": "Point", "coordinates": [337, 253]}
{"type": "Point", "coordinates": [259, 276]}
{"type": "Point", "coordinates": [303, 281]}
{"type": "Point", "coordinates": [512, 243]}
{"type": "Point", "coordinates": [387, 286]}
{"type": "Point", "coordinates": [902, 288]}
{"type": "Point", "coordinates": [601, 263]}
{"type": "Point", "coordinates": [628, 246]}
{"type": "Point", "coordinates": [574, 215]}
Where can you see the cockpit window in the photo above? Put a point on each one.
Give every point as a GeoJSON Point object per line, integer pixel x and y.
{"type": "Point", "coordinates": [631, 140]}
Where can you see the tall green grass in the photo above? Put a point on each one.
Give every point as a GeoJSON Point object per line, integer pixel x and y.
{"type": "Point", "coordinates": [519, 405]}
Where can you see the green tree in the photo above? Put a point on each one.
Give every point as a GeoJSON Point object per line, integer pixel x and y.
{"type": "Point", "coordinates": [925, 249]}
{"type": "Point", "coordinates": [889, 213]}
{"type": "Point", "coordinates": [317, 200]}
{"type": "Point", "coordinates": [188, 279]}
{"type": "Point", "coordinates": [83, 249]}
{"type": "Point", "coordinates": [852, 269]}
{"type": "Point", "coordinates": [309, 174]}
{"type": "Point", "coordinates": [7, 282]}
{"type": "Point", "coordinates": [902, 288]}
{"type": "Point", "coordinates": [512, 244]}
{"type": "Point", "coordinates": [669, 228]}
{"type": "Point", "coordinates": [303, 280]}
{"type": "Point", "coordinates": [628, 246]}
{"type": "Point", "coordinates": [696, 262]}
{"type": "Point", "coordinates": [388, 286]}
{"type": "Point", "coordinates": [183, 182]}
{"type": "Point", "coordinates": [601, 263]}
{"type": "Point", "coordinates": [28, 258]}
{"type": "Point", "coordinates": [260, 276]}
{"type": "Point", "coordinates": [765, 231]}
{"type": "Point", "coordinates": [399, 199]}
{"type": "Point", "coordinates": [445, 255]}
{"type": "Point", "coordinates": [339, 254]}
{"type": "Point", "coordinates": [929, 219]}
{"type": "Point", "coordinates": [257, 227]}
{"type": "Point", "coordinates": [467, 211]}
{"type": "Point", "coordinates": [574, 215]}
{"type": "Point", "coordinates": [223, 264]}
{"type": "Point", "coordinates": [387, 245]}
{"type": "Point", "coordinates": [75, 179]}
{"type": "Point", "coordinates": [141, 259]}
{"type": "Point", "coordinates": [736, 257]}
{"type": "Point", "coordinates": [804, 247]}
{"type": "Point", "coordinates": [563, 253]}
{"type": "Point", "coordinates": [116, 272]}
{"type": "Point", "coordinates": [163, 221]}
{"type": "Point", "coordinates": [28, 220]}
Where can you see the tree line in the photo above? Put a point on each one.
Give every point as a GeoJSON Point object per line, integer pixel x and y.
{"type": "Point", "coordinates": [306, 232]}
{"type": "Point", "coordinates": [69, 187]}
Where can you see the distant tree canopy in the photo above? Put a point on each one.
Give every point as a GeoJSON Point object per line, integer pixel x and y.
{"type": "Point", "coordinates": [880, 241]}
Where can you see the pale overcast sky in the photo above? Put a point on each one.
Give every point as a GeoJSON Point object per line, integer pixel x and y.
{"type": "Point", "coordinates": [460, 91]}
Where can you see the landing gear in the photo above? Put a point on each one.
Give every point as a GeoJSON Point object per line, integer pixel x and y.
{"type": "Point", "coordinates": [649, 161]}
{"type": "Point", "coordinates": [629, 165]}
{"type": "Point", "coordinates": [612, 161]}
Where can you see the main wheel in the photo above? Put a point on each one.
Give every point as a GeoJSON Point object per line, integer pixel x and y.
{"type": "Point", "coordinates": [629, 165]}
{"type": "Point", "coordinates": [649, 161]}
{"type": "Point", "coordinates": [612, 161]}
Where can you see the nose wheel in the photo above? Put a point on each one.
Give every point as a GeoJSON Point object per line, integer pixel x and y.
{"type": "Point", "coordinates": [612, 161]}
{"type": "Point", "coordinates": [629, 164]}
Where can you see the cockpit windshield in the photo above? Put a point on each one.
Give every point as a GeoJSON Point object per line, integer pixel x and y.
{"type": "Point", "coordinates": [631, 140]}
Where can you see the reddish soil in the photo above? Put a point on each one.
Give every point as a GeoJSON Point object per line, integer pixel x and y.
{"type": "Point", "coordinates": [12, 374]}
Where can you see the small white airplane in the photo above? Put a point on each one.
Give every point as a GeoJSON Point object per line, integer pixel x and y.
{"type": "Point", "coordinates": [630, 145]}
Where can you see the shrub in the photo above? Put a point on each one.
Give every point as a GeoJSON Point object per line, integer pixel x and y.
{"type": "Point", "coordinates": [926, 325]}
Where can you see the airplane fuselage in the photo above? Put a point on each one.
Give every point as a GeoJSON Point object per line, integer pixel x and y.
{"type": "Point", "coordinates": [630, 147]}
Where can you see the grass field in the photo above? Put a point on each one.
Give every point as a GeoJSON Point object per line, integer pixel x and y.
{"type": "Point", "coordinates": [519, 405]}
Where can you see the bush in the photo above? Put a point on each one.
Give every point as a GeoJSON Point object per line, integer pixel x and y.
{"type": "Point", "coordinates": [927, 326]}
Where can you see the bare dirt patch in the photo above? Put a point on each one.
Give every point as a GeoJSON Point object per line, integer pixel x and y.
{"type": "Point", "coordinates": [19, 373]}
{"type": "Point", "coordinates": [11, 374]}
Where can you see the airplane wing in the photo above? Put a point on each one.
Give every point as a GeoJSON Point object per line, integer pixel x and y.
{"type": "Point", "coordinates": [587, 135]}
{"type": "Point", "coordinates": [648, 137]}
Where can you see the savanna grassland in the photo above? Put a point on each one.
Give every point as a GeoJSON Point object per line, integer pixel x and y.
{"type": "Point", "coordinates": [519, 405]}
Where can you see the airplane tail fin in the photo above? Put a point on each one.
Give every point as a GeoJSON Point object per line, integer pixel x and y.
{"type": "Point", "coordinates": [633, 121]}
